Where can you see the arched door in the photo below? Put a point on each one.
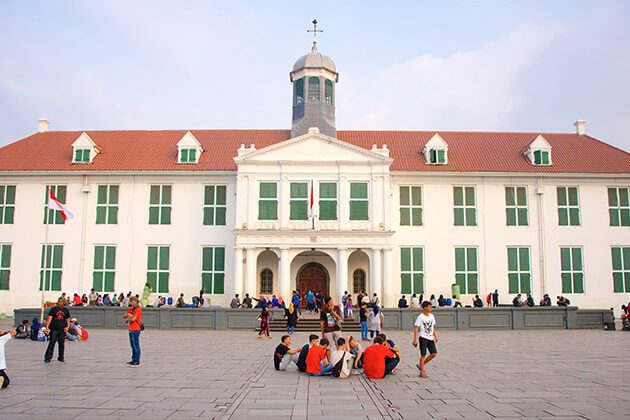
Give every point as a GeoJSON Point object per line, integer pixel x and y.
{"type": "Point", "coordinates": [313, 277]}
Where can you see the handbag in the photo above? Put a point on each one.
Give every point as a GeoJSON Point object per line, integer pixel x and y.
{"type": "Point", "coordinates": [141, 324]}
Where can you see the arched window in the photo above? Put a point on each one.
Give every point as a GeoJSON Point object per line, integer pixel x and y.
{"type": "Point", "coordinates": [298, 91]}
{"type": "Point", "coordinates": [358, 281]}
{"type": "Point", "coordinates": [266, 282]}
{"type": "Point", "coordinates": [328, 92]}
{"type": "Point", "coordinates": [313, 89]}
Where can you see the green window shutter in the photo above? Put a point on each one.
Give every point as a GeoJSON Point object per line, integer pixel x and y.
{"type": "Point", "coordinates": [298, 190]}
{"type": "Point", "coordinates": [578, 283]}
{"type": "Point", "coordinates": [510, 215]}
{"type": "Point", "coordinates": [473, 282]}
{"type": "Point", "coordinates": [521, 196]}
{"type": "Point", "coordinates": [624, 199]}
{"type": "Point", "coordinates": [523, 256]}
{"type": "Point", "coordinates": [154, 195]}
{"type": "Point", "coordinates": [206, 282]}
{"type": "Point", "coordinates": [561, 194]}
{"type": "Point", "coordinates": [359, 210]}
{"type": "Point", "coordinates": [164, 258]}
{"type": "Point", "coordinates": [417, 259]}
{"type": "Point", "coordinates": [57, 256]}
{"type": "Point", "coordinates": [405, 283]}
{"type": "Point", "coordinates": [154, 214]}
{"type": "Point", "coordinates": [545, 158]}
{"type": "Point", "coordinates": [416, 196]}
{"type": "Point", "coordinates": [460, 259]}
{"type": "Point", "coordinates": [512, 259]}
{"type": "Point", "coordinates": [471, 259]}
{"type": "Point", "coordinates": [359, 190]}
{"type": "Point", "coordinates": [471, 216]}
{"type": "Point", "coordinates": [327, 210]}
{"type": "Point", "coordinates": [574, 216]}
{"type": "Point", "coordinates": [513, 283]}
{"type": "Point", "coordinates": [441, 157]}
{"type": "Point", "coordinates": [576, 259]}
{"type": "Point", "coordinates": [112, 216]}
{"type": "Point", "coordinates": [208, 198]}
{"type": "Point", "coordinates": [110, 257]}
{"type": "Point", "coordinates": [405, 259]}
{"type": "Point", "coordinates": [113, 195]}
{"type": "Point", "coordinates": [625, 217]}
{"type": "Point", "coordinates": [566, 283]}
{"type": "Point", "coordinates": [470, 196]}
{"type": "Point", "coordinates": [458, 196]}
{"type": "Point", "coordinates": [166, 194]}
{"type": "Point", "coordinates": [219, 259]}
{"type": "Point", "coordinates": [616, 258]}
{"type": "Point", "coordinates": [183, 156]}
{"type": "Point", "coordinates": [108, 283]}
{"type": "Point", "coordinates": [101, 194]}
{"type": "Point", "coordinates": [563, 216]}
{"type": "Point", "coordinates": [221, 195]}
{"type": "Point", "coordinates": [77, 155]}
{"type": "Point", "coordinates": [404, 196]}
{"type": "Point", "coordinates": [5, 256]}
{"type": "Point", "coordinates": [416, 219]}
{"type": "Point", "coordinates": [207, 259]}
{"type": "Point", "coordinates": [573, 196]}
{"type": "Point", "coordinates": [152, 257]}
{"type": "Point", "coordinates": [298, 210]}
{"type": "Point", "coordinates": [418, 283]}
{"type": "Point", "coordinates": [522, 217]}
{"type": "Point", "coordinates": [97, 280]}
{"type": "Point", "coordinates": [458, 214]}
{"type": "Point", "coordinates": [219, 284]}
{"type": "Point", "coordinates": [510, 197]}
{"type": "Point", "coordinates": [101, 215]}
{"type": "Point", "coordinates": [192, 155]}
{"type": "Point", "coordinates": [405, 216]}
{"type": "Point", "coordinates": [626, 276]}
{"type": "Point", "coordinates": [220, 219]}
{"type": "Point", "coordinates": [460, 280]}
{"type": "Point", "coordinates": [565, 259]}
{"type": "Point", "coordinates": [327, 190]}
{"type": "Point", "coordinates": [10, 195]}
{"type": "Point", "coordinates": [526, 284]}
{"type": "Point", "coordinates": [612, 197]}
{"type": "Point", "coordinates": [99, 256]}
{"type": "Point", "coordinates": [163, 279]}
{"type": "Point", "coordinates": [618, 283]}
{"type": "Point", "coordinates": [165, 216]}
{"type": "Point", "coordinates": [537, 158]}
{"type": "Point", "coordinates": [626, 258]}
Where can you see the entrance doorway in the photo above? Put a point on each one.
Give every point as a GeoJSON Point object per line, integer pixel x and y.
{"type": "Point", "coordinates": [313, 277]}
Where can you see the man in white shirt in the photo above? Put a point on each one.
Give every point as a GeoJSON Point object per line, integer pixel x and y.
{"type": "Point", "coordinates": [4, 379]}
{"type": "Point", "coordinates": [425, 325]}
{"type": "Point", "coordinates": [342, 353]}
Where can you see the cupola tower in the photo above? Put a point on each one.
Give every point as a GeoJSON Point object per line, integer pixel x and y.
{"type": "Point", "coordinates": [314, 76]}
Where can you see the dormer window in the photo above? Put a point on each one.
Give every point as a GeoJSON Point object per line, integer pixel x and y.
{"type": "Point", "coordinates": [541, 157]}
{"type": "Point", "coordinates": [84, 150]}
{"type": "Point", "coordinates": [188, 150]}
{"type": "Point", "coordinates": [437, 157]}
{"type": "Point", "coordinates": [436, 151]}
{"type": "Point", "coordinates": [539, 152]}
{"type": "Point", "coordinates": [82, 156]}
{"type": "Point", "coordinates": [188, 156]}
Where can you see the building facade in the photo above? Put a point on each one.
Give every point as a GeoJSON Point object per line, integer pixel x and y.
{"type": "Point", "coordinates": [313, 208]}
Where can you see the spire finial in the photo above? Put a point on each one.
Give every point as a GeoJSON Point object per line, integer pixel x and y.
{"type": "Point", "coordinates": [314, 31]}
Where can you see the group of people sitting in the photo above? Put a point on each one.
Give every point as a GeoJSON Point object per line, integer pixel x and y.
{"type": "Point", "coordinates": [37, 331]}
{"type": "Point", "coordinates": [320, 357]}
{"type": "Point", "coordinates": [625, 317]}
{"type": "Point", "coordinates": [96, 299]}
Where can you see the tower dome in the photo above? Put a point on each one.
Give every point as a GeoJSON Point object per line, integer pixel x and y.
{"type": "Point", "coordinates": [314, 76]}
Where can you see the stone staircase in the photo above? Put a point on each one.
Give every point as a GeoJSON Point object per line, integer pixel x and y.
{"type": "Point", "coordinates": [310, 323]}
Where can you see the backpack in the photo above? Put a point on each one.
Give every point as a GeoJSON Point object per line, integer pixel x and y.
{"type": "Point", "coordinates": [336, 371]}
{"type": "Point", "coordinates": [301, 364]}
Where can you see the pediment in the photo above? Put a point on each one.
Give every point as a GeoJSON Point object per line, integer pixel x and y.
{"type": "Point", "coordinates": [189, 140]}
{"type": "Point", "coordinates": [314, 147]}
{"type": "Point", "coordinates": [436, 142]}
{"type": "Point", "coordinates": [84, 141]}
{"type": "Point", "coordinates": [540, 142]}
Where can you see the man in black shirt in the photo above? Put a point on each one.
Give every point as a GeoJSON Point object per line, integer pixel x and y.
{"type": "Point", "coordinates": [57, 325]}
{"type": "Point", "coordinates": [329, 321]}
{"type": "Point", "coordinates": [284, 355]}
{"type": "Point", "coordinates": [402, 303]}
{"type": "Point", "coordinates": [301, 363]}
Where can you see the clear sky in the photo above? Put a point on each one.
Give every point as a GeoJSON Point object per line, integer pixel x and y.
{"type": "Point", "coordinates": [426, 65]}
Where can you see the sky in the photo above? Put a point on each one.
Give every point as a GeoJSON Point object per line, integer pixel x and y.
{"type": "Point", "coordinates": [534, 66]}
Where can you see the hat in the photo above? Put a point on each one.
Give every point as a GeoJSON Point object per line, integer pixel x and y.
{"type": "Point", "coordinates": [73, 320]}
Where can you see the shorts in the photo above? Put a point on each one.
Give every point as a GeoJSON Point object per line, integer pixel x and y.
{"type": "Point", "coordinates": [425, 344]}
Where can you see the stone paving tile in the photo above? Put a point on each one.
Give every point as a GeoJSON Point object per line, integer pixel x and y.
{"type": "Point", "coordinates": [188, 374]}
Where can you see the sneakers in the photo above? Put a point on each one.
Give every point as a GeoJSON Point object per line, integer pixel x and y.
{"type": "Point", "coordinates": [46, 361]}
{"type": "Point", "coordinates": [61, 361]}
{"type": "Point", "coordinates": [134, 364]}
{"type": "Point", "coordinates": [129, 363]}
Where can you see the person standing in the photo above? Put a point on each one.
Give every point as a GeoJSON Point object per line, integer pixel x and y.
{"type": "Point", "coordinates": [495, 298]}
{"type": "Point", "coordinates": [264, 323]}
{"type": "Point", "coordinates": [363, 318]}
{"type": "Point", "coordinates": [4, 378]}
{"type": "Point", "coordinates": [292, 318]}
{"type": "Point", "coordinates": [57, 325]}
{"type": "Point", "coordinates": [425, 325]}
{"type": "Point", "coordinates": [146, 294]}
{"type": "Point", "coordinates": [375, 321]}
{"type": "Point", "coordinates": [133, 317]}
{"type": "Point", "coordinates": [92, 298]}
{"type": "Point", "coordinates": [329, 321]}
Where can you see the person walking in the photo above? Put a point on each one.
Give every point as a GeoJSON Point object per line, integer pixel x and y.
{"type": "Point", "coordinates": [4, 378]}
{"type": "Point", "coordinates": [57, 325]}
{"type": "Point", "coordinates": [425, 326]}
{"type": "Point", "coordinates": [264, 323]}
{"type": "Point", "coordinates": [495, 298]}
{"type": "Point", "coordinates": [292, 318]}
{"type": "Point", "coordinates": [133, 317]}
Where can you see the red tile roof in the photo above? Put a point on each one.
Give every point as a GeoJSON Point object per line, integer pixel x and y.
{"type": "Point", "coordinates": [157, 151]}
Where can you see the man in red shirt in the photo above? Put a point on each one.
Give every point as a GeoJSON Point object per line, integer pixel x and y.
{"type": "Point", "coordinates": [133, 317]}
{"type": "Point", "coordinates": [318, 359]}
{"type": "Point", "coordinates": [378, 360]}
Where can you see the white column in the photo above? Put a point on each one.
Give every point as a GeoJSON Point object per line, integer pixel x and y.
{"type": "Point", "coordinates": [250, 273]}
{"type": "Point", "coordinates": [342, 273]}
{"type": "Point", "coordinates": [389, 287]}
{"type": "Point", "coordinates": [284, 275]}
{"type": "Point", "coordinates": [238, 272]}
{"type": "Point", "coordinates": [376, 283]}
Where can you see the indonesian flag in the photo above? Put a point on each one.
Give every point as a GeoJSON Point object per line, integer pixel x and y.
{"type": "Point", "coordinates": [55, 204]}
{"type": "Point", "coordinates": [311, 202]}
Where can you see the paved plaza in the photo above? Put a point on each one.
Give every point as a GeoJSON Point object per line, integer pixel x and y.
{"type": "Point", "coordinates": [579, 374]}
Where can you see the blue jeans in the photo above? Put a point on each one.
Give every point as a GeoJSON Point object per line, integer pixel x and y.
{"type": "Point", "coordinates": [134, 341]}
{"type": "Point", "coordinates": [364, 330]}
{"type": "Point", "coordinates": [326, 369]}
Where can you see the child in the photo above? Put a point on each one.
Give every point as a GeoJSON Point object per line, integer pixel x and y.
{"type": "Point", "coordinates": [4, 379]}
{"type": "Point", "coordinates": [264, 323]}
{"type": "Point", "coordinates": [425, 324]}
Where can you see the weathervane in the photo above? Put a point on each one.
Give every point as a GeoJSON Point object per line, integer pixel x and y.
{"type": "Point", "coordinates": [314, 30]}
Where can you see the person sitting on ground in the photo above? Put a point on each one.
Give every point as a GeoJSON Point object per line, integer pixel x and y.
{"type": "Point", "coordinates": [284, 354]}
{"type": "Point", "coordinates": [247, 302]}
{"type": "Point", "coordinates": [530, 300]}
{"type": "Point", "coordinates": [318, 359]}
{"type": "Point", "coordinates": [356, 350]}
{"type": "Point", "coordinates": [392, 346]}
{"type": "Point", "coordinates": [22, 331]}
{"type": "Point", "coordinates": [195, 302]}
{"type": "Point", "coordinates": [455, 303]}
{"type": "Point", "coordinates": [75, 331]}
{"type": "Point", "coordinates": [374, 365]}
{"type": "Point", "coordinates": [441, 301]}
{"type": "Point", "coordinates": [182, 304]}
{"type": "Point", "coordinates": [313, 340]}
{"type": "Point", "coordinates": [517, 302]}
{"type": "Point", "coordinates": [236, 302]}
{"type": "Point", "coordinates": [42, 335]}
{"type": "Point", "coordinates": [342, 359]}
{"type": "Point", "coordinates": [402, 302]}
{"type": "Point", "coordinates": [477, 302]}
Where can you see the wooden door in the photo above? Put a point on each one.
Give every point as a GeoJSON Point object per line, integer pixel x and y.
{"type": "Point", "coordinates": [313, 277]}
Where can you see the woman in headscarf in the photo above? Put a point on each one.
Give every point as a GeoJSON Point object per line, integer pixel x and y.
{"type": "Point", "coordinates": [146, 294]}
{"type": "Point", "coordinates": [375, 321]}
{"type": "Point", "coordinates": [292, 318]}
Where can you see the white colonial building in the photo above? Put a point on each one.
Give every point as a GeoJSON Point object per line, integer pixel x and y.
{"type": "Point", "coordinates": [269, 211]}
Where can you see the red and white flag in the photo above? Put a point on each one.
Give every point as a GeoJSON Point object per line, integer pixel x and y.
{"type": "Point", "coordinates": [55, 204]}
{"type": "Point", "coordinates": [312, 199]}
